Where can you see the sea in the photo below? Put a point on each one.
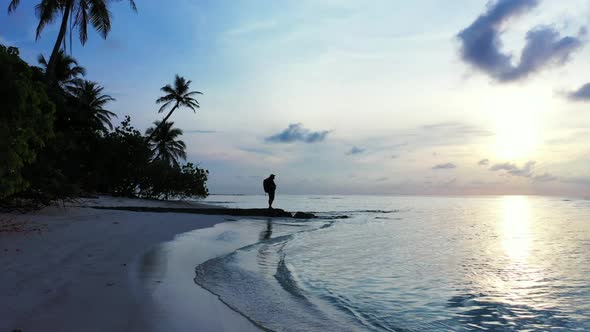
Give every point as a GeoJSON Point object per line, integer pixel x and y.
{"type": "Point", "coordinates": [399, 263]}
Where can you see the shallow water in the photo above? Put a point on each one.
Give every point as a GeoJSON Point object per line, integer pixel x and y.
{"type": "Point", "coordinates": [410, 264]}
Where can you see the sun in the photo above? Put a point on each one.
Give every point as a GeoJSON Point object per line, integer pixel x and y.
{"type": "Point", "coordinates": [517, 136]}
{"type": "Point", "coordinates": [517, 120]}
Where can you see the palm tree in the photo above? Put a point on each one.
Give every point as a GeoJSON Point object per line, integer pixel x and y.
{"type": "Point", "coordinates": [88, 95]}
{"type": "Point", "coordinates": [66, 68]}
{"type": "Point", "coordinates": [95, 12]}
{"type": "Point", "coordinates": [179, 95]}
{"type": "Point", "coordinates": [165, 145]}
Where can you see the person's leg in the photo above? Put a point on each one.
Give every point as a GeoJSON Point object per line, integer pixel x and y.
{"type": "Point", "coordinates": [271, 198]}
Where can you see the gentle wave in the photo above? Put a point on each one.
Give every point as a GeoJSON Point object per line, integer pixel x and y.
{"type": "Point", "coordinates": [266, 292]}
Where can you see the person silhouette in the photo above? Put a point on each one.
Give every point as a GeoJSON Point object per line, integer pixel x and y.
{"type": "Point", "coordinates": [269, 188]}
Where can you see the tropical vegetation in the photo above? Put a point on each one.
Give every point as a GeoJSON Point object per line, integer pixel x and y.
{"type": "Point", "coordinates": [66, 68]}
{"type": "Point", "coordinates": [179, 96]}
{"type": "Point", "coordinates": [77, 14]}
{"type": "Point", "coordinates": [164, 142]}
{"type": "Point", "coordinates": [58, 140]}
{"type": "Point", "coordinates": [57, 137]}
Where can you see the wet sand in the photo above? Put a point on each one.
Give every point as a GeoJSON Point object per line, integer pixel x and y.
{"type": "Point", "coordinates": [81, 269]}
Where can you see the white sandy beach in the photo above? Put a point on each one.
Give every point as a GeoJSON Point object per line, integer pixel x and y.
{"type": "Point", "coordinates": [80, 272]}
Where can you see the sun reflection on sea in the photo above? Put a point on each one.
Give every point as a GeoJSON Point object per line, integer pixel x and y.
{"type": "Point", "coordinates": [521, 281]}
{"type": "Point", "coordinates": [516, 233]}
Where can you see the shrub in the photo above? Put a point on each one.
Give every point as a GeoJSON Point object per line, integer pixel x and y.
{"type": "Point", "coordinates": [26, 120]}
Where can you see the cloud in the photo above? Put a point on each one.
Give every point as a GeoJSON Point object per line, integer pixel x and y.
{"type": "Point", "coordinates": [582, 94]}
{"type": "Point", "coordinates": [503, 166]}
{"type": "Point", "coordinates": [199, 131]}
{"type": "Point", "coordinates": [458, 128]}
{"type": "Point", "coordinates": [579, 180]}
{"type": "Point", "coordinates": [545, 177]}
{"type": "Point", "coordinates": [513, 169]}
{"type": "Point", "coordinates": [544, 46]}
{"type": "Point", "coordinates": [296, 132]}
{"type": "Point", "coordinates": [255, 150]}
{"type": "Point", "coordinates": [484, 162]}
{"type": "Point", "coordinates": [527, 171]}
{"type": "Point", "coordinates": [355, 150]}
{"type": "Point", "coordinates": [444, 166]}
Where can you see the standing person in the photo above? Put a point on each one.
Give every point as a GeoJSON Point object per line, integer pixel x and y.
{"type": "Point", "coordinates": [269, 188]}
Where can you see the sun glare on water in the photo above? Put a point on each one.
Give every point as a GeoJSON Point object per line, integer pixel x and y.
{"type": "Point", "coordinates": [516, 235]}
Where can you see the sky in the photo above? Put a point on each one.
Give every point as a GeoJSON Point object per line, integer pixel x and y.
{"type": "Point", "coordinates": [424, 97]}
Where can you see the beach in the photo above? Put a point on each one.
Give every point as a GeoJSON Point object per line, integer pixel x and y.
{"type": "Point", "coordinates": [294, 166]}
{"type": "Point", "coordinates": [71, 268]}
{"type": "Point", "coordinates": [377, 263]}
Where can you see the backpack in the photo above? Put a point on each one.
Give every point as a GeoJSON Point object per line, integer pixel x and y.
{"type": "Point", "coordinates": [266, 185]}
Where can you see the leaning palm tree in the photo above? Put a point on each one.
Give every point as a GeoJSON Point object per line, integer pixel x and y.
{"type": "Point", "coordinates": [82, 12]}
{"type": "Point", "coordinates": [90, 99]}
{"type": "Point", "coordinates": [179, 95]}
{"type": "Point", "coordinates": [165, 145]}
{"type": "Point", "coordinates": [66, 68]}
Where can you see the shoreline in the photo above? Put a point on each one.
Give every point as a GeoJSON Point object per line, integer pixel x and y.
{"type": "Point", "coordinates": [78, 269]}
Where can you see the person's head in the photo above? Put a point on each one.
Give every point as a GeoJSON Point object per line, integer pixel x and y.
{"type": "Point", "coordinates": [272, 176]}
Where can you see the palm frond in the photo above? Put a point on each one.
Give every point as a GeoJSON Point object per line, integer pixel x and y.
{"type": "Point", "coordinates": [165, 144]}
{"type": "Point", "coordinates": [168, 89]}
{"type": "Point", "coordinates": [82, 21]}
{"type": "Point", "coordinates": [100, 16]}
{"type": "Point", "coordinates": [133, 6]}
{"type": "Point", "coordinates": [42, 61]}
{"type": "Point", "coordinates": [90, 98]}
{"type": "Point", "coordinates": [163, 107]}
{"type": "Point", "coordinates": [46, 11]}
{"type": "Point", "coordinates": [78, 71]}
{"type": "Point", "coordinates": [165, 98]}
{"type": "Point", "coordinates": [12, 6]}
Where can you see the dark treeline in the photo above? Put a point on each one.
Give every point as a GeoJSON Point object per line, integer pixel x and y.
{"type": "Point", "coordinates": [57, 139]}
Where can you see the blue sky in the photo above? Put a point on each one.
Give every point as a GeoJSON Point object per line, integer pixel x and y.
{"type": "Point", "coordinates": [379, 97]}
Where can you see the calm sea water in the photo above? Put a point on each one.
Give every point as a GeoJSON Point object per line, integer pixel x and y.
{"type": "Point", "coordinates": [511, 263]}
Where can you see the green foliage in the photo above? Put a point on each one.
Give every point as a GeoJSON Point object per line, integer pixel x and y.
{"type": "Point", "coordinates": [66, 67]}
{"type": "Point", "coordinates": [78, 14]}
{"type": "Point", "coordinates": [26, 120]}
{"type": "Point", "coordinates": [193, 181]}
{"type": "Point", "coordinates": [57, 141]}
{"type": "Point", "coordinates": [164, 181]}
{"type": "Point", "coordinates": [124, 157]}
{"type": "Point", "coordinates": [179, 96]}
{"type": "Point", "coordinates": [165, 144]}
{"type": "Point", "coordinates": [135, 174]}
{"type": "Point", "coordinates": [89, 102]}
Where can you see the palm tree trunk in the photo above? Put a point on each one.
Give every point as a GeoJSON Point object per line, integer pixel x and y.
{"type": "Point", "coordinates": [50, 73]}
{"type": "Point", "coordinates": [163, 121]}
